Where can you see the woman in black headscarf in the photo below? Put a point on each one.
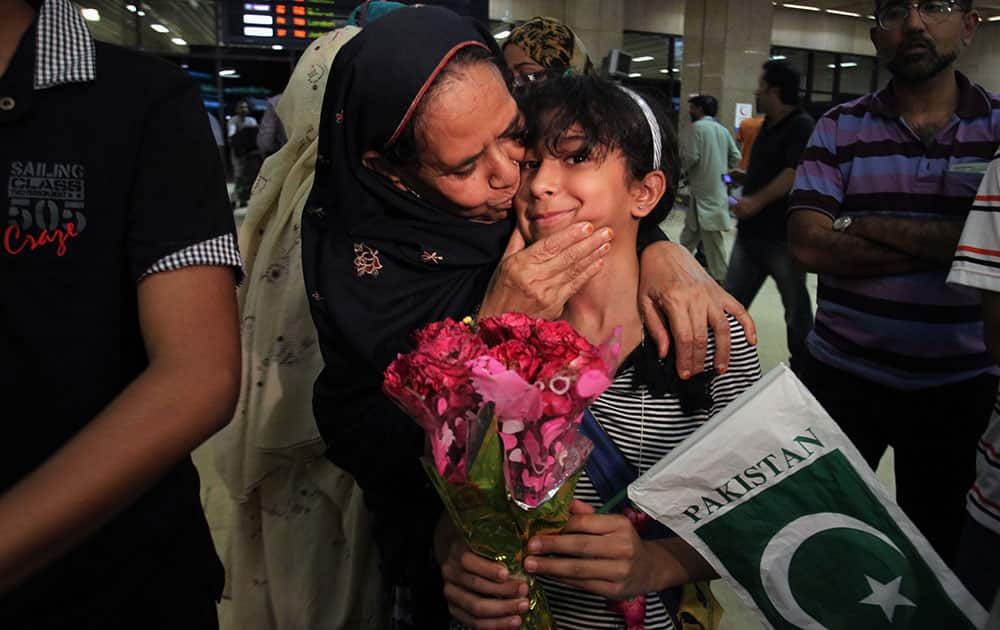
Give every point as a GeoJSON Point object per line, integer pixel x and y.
{"type": "Point", "coordinates": [406, 225]}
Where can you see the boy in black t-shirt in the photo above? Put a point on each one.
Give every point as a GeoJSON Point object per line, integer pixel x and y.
{"type": "Point", "coordinates": [119, 343]}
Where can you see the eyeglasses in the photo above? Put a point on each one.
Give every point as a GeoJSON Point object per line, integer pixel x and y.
{"type": "Point", "coordinates": [893, 16]}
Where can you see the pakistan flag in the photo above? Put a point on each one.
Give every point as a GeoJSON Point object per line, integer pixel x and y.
{"type": "Point", "coordinates": [782, 505]}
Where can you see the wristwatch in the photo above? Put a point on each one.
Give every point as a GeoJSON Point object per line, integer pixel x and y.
{"type": "Point", "coordinates": [842, 223]}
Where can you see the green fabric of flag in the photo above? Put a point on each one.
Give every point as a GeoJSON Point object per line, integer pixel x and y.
{"type": "Point", "coordinates": [783, 506]}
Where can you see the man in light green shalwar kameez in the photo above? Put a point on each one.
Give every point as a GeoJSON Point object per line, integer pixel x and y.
{"type": "Point", "coordinates": [710, 153]}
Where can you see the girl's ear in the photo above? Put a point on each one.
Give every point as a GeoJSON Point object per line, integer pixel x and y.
{"type": "Point", "coordinates": [647, 192]}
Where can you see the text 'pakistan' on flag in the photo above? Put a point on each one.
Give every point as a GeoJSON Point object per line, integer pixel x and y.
{"type": "Point", "coordinates": [783, 506]}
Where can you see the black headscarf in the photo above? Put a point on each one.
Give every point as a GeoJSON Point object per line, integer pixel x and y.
{"type": "Point", "coordinates": [380, 263]}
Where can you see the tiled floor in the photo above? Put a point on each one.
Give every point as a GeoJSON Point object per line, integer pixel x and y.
{"type": "Point", "coordinates": [768, 315]}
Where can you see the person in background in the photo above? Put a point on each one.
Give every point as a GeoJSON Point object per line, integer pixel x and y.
{"type": "Point", "coordinates": [406, 224]}
{"type": "Point", "coordinates": [541, 45]}
{"type": "Point", "coordinates": [897, 356]}
{"type": "Point", "coordinates": [761, 247]}
{"type": "Point", "coordinates": [271, 136]}
{"type": "Point", "coordinates": [118, 330]}
{"type": "Point", "coordinates": [242, 131]}
{"type": "Point", "coordinates": [746, 135]}
{"type": "Point", "coordinates": [219, 136]}
{"type": "Point", "coordinates": [975, 266]}
{"type": "Point", "coordinates": [299, 553]}
{"type": "Point", "coordinates": [710, 153]}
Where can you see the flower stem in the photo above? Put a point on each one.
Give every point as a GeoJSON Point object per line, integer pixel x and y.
{"type": "Point", "coordinates": [614, 502]}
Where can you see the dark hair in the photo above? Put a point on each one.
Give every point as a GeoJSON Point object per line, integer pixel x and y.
{"type": "Point", "coordinates": [707, 103]}
{"type": "Point", "coordinates": [783, 75]}
{"type": "Point", "coordinates": [609, 119]}
{"type": "Point", "coordinates": [404, 151]}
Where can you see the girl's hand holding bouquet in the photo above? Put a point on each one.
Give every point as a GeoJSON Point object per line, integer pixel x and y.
{"type": "Point", "coordinates": [501, 404]}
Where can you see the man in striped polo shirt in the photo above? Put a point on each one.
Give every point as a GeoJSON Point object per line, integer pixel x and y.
{"type": "Point", "coordinates": [897, 355]}
{"type": "Point", "coordinates": [977, 265]}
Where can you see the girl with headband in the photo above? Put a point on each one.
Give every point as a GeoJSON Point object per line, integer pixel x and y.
{"type": "Point", "coordinates": [602, 153]}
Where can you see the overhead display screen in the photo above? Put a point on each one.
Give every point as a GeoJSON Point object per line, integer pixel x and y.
{"type": "Point", "coordinates": [294, 23]}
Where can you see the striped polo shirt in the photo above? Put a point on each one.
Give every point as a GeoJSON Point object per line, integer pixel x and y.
{"type": "Point", "coordinates": [977, 265]}
{"type": "Point", "coordinates": [905, 331]}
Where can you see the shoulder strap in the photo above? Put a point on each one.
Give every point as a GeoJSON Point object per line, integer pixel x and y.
{"type": "Point", "coordinates": [610, 472]}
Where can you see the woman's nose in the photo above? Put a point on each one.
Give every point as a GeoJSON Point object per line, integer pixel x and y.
{"type": "Point", "coordinates": [506, 172]}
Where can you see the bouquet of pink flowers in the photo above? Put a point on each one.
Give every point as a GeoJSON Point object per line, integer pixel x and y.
{"type": "Point", "coordinates": [501, 403]}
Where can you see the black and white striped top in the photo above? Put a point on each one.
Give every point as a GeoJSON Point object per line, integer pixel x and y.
{"type": "Point", "coordinates": [638, 422]}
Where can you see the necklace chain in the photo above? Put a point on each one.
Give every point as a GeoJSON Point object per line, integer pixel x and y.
{"type": "Point", "coordinates": [642, 410]}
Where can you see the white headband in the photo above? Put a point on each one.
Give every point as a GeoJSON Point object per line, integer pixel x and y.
{"type": "Point", "coordinates": [654, 127]}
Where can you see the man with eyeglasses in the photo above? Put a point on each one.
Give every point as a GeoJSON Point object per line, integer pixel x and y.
{"type": "Point", "coordinates": [897, 356]}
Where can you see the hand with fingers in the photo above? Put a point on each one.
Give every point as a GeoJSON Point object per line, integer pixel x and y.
{"type": "Point", "coordinates": [602, 554]}
{"type": "Point", "coordinates": [676, 294]}
{"type": "Point", "coordinates": [538, 280]}
{"type": "Point", "coordinates": [480, 593]}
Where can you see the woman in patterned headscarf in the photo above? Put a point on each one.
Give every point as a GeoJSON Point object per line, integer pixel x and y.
{"type": "Point", "coordinates": [294, 532]}
{"type": "Point", "coordinates": [541, 44]}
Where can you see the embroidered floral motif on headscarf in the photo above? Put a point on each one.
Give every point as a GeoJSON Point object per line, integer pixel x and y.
{"type": "Point", "coordinates": [366, 260]}
{"type": "Point", "coordinates": [431, 257]}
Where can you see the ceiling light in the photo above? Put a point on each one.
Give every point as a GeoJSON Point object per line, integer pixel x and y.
{"type": "Point", "coordinates": [502, 35]}
{"type": "Point", "coordinates": [227, 72]}
{"type": "Point", "coordinates": [141, 13]}
{"type": "Point", "coordinates": [131, 8]}
{"type": "Point", "coordinates": [277, 47]}
{"type": "Point", "coordinates": [178, 41]}
{"type": "Point", "coordinates": [802, 7]}
{"type": "Point", "coordinates": [633, 75]}
{"type": "Point", "coordinates": [643, 58]}
{"type": "Point", "coordinates": [778, 58]}
{"type": "Point", "coordinates": [664, 70]}
{"type": "Point", "coordinates": [159, 28]}
{"type": "Point", "coordinates": [91, 15]}
{"type": "Point", "coordinates": [849, 64]}
{"type": "Point", "coordinates": [844, 13]}
{"type": "Point", "coordinates": [995, 18]}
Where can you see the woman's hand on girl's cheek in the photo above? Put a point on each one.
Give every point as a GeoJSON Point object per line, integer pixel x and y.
{"type": "Point", "coordinates": [603, 554]}
{"type": "Point", "coordinates": [480, 593]}
{"type": "Point", "coordinates": [674, 290]}
{"type": "Point", "coordinates": [539, 279]}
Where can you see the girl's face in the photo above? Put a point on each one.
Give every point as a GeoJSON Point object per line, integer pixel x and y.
{"type": "Point", "coordinates": [558, 190]}
{"type": "Point", "coordinates": [468, 151]}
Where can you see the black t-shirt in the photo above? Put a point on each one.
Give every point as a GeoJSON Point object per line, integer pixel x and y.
{"type": "Point", "coordinates": [777, 147]}
{"type": "Point", "coordinates": [102, 179]}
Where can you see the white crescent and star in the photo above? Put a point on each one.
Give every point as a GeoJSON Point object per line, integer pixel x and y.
{"type": "Point", "coordinates": [776, 561]}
